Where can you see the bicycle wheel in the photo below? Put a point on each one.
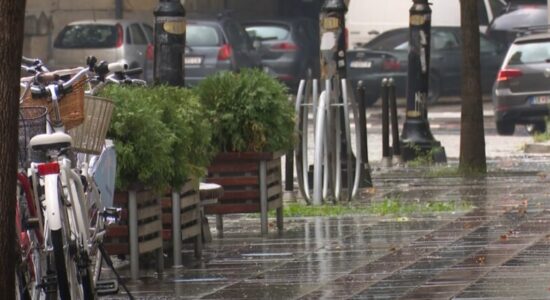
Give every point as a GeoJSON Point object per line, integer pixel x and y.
{"type": "Point", "coordinates": [60, 268]}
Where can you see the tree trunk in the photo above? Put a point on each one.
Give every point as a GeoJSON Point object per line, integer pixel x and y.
{"type": "Point", "coordinates": [11, 41]}
{"type": "Point", "coordinates": [472, 135]}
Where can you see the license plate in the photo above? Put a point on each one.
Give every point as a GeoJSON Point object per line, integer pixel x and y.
{"type": "Point", "coordinates": [539, 99]}
{"type": "Point", "coordinates": [361, 64]}
{"type": "Point", "coordinates": [193, 60]}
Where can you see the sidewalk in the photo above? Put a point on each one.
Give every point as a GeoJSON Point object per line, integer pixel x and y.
{"type": "Point", "coordinates": [497, 250]}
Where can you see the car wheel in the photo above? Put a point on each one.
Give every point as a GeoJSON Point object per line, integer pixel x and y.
{"type": "Point", "coordinates": [505, 128]}
{"type": "Point", "coordinates": [434, 91]}
{"type": "Point", "coordinates": [537, 127]}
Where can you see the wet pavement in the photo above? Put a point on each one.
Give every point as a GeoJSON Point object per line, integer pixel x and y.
{"type": "Point", "coordinates": [498, 249]}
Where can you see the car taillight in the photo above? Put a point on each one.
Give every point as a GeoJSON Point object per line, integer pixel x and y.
{"type": "Point", "coordinates": [506, 74]}
{"type": "Point", "coordinates": [150, 52]}
{"type": "Point", "coordinates": [391, 65]}
{"type": "Point", "coordinates": [48, 168]}
{"type": "Point", "coordinates": [120, 36]}
{"type": "Point", "coordinates": [225, 52]}
{"type": "Point", "coordinates": [285, 46]}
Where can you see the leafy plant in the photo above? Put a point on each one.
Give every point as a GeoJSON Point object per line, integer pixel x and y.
{"type": "Point", "coordinates": [160, 136]}
{"type": "Point", "coordinates": [248, 111]}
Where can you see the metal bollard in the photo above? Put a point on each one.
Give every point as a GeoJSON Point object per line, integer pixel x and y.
{"type": "Point", "coordinates": [366, 179]}
{"type": "Point", "coordinates": [393, 115]}
{"type": "Point", "coordinates": [386, 153]}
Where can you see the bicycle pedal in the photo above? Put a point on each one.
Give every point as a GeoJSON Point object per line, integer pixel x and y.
{"type": "Point", "coordinates": [106, 287]}
{"type": "Point", "coordinates": [32, 223]}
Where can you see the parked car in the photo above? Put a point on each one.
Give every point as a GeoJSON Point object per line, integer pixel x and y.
{"type": "Point", "coordinates": [521, 93]}
{"type": "Point", "coordinates": [288, 47]}
{"type": "Point", "coordinates": [387, 56]}
{"type": "Point", "coordinates": [126, 41]}
{"type": "Point", "coordinates": [521, 15]}
{"type": "Point", "coordinates": [216, 44]}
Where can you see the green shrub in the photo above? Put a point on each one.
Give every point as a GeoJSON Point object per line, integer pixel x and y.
{"type": "Point", "coordinates": [248, 111]}
{"type": "Point", "coordinates": [160, 136]}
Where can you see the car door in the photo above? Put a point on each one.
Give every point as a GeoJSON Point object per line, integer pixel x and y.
{"type": "Point", "coordinates": [491, 58]}
{"type": "Point", "coordinates": [445, 61]}
{"type": "Point", "coordinates": [244, 53]}
{"type": "Point", "coordinates": [137, 46]}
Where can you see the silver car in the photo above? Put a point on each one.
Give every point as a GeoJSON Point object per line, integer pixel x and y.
{"type": "Point", "coordinates": [521, 93]}
{"type": "Point", "coordinates": [127, 41]}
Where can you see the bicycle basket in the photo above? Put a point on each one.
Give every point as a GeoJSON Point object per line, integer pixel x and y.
{"type": "Point", "coordinates": [71, 106]}
{"type": "Point", "coordinates": [32, 121]}
{"type": "Point", "coordinates": [89, 137]}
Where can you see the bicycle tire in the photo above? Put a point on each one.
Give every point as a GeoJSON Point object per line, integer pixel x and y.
{"type": "Point", "coordinates": [60, 268]}
{"type": "Point", "coordinates": [87, 281]}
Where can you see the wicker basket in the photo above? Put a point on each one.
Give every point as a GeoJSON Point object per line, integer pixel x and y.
{"type": "Point", "coordinates": [89, 137]}
{"type": "Point", "coordinates": [32, 121]}
{"type": "Point", "coordinates": [71, 106]}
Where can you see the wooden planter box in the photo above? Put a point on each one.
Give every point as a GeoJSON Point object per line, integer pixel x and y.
{"type": "Point", "coordinates": [148, 225]}
{"type": "Point", "coordinates": [252, 183]}
{"type": "Point", "coordinates": [190, 216]}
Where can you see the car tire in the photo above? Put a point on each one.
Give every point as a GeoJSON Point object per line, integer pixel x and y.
{"type": "Point", "coordinates": [434, 91]}
{"type": "Point", "coordinates": [505, 128]}
{"type": "Point", "coordinates": [536, 127]}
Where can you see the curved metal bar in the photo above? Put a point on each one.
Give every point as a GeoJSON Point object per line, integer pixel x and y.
{"type": "Point", "coordinates": [329, 141]}
{"type": "Point", "coordinates": [359, 148]}
{"type": "Point", "coordinates": [347, 132]}
{"type": "Point", "coordinates": [298, 149]}
{"type": "Point", "coordinates": [319, 153]}
{"type": "Point", "coordinates": [337, 146]}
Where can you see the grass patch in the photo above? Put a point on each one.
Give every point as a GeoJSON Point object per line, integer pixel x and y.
{"type": "Point", "coordinates": [541, 137]}
{"type": "Point", "coordinates": [388, 206]}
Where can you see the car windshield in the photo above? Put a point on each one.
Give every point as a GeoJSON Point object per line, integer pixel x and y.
{"type": "Point", "coordinates": [87, 36]}
{"type": "Point", "coordinates": [201, 36]}
{"type": "Point", "coordinates": [529, 53]}
{"type": "Point", "coordinates": [268, 32]}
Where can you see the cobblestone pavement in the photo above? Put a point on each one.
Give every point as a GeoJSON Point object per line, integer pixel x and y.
{"type": "Point", "coordinates": [499, 249]}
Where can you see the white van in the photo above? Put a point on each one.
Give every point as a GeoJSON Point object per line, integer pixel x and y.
{"type": "Point", "coordinates": [368, 18]}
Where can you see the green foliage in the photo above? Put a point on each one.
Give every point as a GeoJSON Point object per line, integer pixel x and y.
{"type": "Point", "coordinates": [160, 136]}
{"type": "Point", "coordinates": [249, 111]}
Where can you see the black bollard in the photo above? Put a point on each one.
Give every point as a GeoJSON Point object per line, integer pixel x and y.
{"type": "Point", "coordinates": [396, 148]}
{"type": "Point", "coordinates": [416, 138]}
{"type": "Point", "coordinates": [366, 179]}
{"type": "Point", "coordinates": [289, 171]}
{"type": "Point", "coordinates": [385, 120]}
{"type": "Point", "coordinates": [169, 43]}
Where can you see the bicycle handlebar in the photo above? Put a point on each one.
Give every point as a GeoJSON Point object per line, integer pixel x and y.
{"type": "Point", "coordinates": [61, 88]}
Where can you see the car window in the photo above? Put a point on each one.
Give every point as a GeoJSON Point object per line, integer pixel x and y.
{"type": "Point", "coordinates": [148, 32]}
{"type": "Point", "coordinates": [394, 40]}
{"type": "Point", "coordinates": [138, 37]}
{"type": "Point", "coordinates": [87, 36]}
{"type": "Point", "coordinates": [202, 36]}
{"type": "Point", "coordinates": [443, 40]}
{"type": "Point", "coordinates": [529, 53]}
{"type": "Point", "coordinates": [268, 32]}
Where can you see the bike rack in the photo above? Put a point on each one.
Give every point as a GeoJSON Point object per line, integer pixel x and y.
{"type": "Point", "coordinates": [332, 136]}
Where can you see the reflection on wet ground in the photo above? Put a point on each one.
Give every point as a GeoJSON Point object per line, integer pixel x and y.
{"type": "Point", "coordinates": [500, 249]}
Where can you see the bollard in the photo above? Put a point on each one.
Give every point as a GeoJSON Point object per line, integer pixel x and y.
{"type": "Point", "coordinates": [169, 43]}
{"type": "Point", "coordinates": [386, 153]}
{"type": "Point", "coordinates": [396, 147]}
{"type": "Point", "coordinates": [366, 180]}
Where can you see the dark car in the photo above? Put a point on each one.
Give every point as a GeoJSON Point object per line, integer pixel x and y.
{"type": "Point", "coordinates": [521, 93]}
{"type": "Point", "coordinates": [289, 47]}
{"type": "Point", "coordinates": [214, 44]}
{"type": "Point", "coordinates": [387, 55]}
{"type": "Point", "coordinates": [524, 14]}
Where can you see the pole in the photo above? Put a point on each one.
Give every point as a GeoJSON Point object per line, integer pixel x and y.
{"type": "Point", "coordinates": [417, 139]}
{"type": "Point", "coordinates": [396, 148]}
{"type": "Point", "coordinates": [366, 180]}
{"type": "Point", "coordinates": [170, 27]}
{"type": "Point", "coordinates": [385, 120]}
